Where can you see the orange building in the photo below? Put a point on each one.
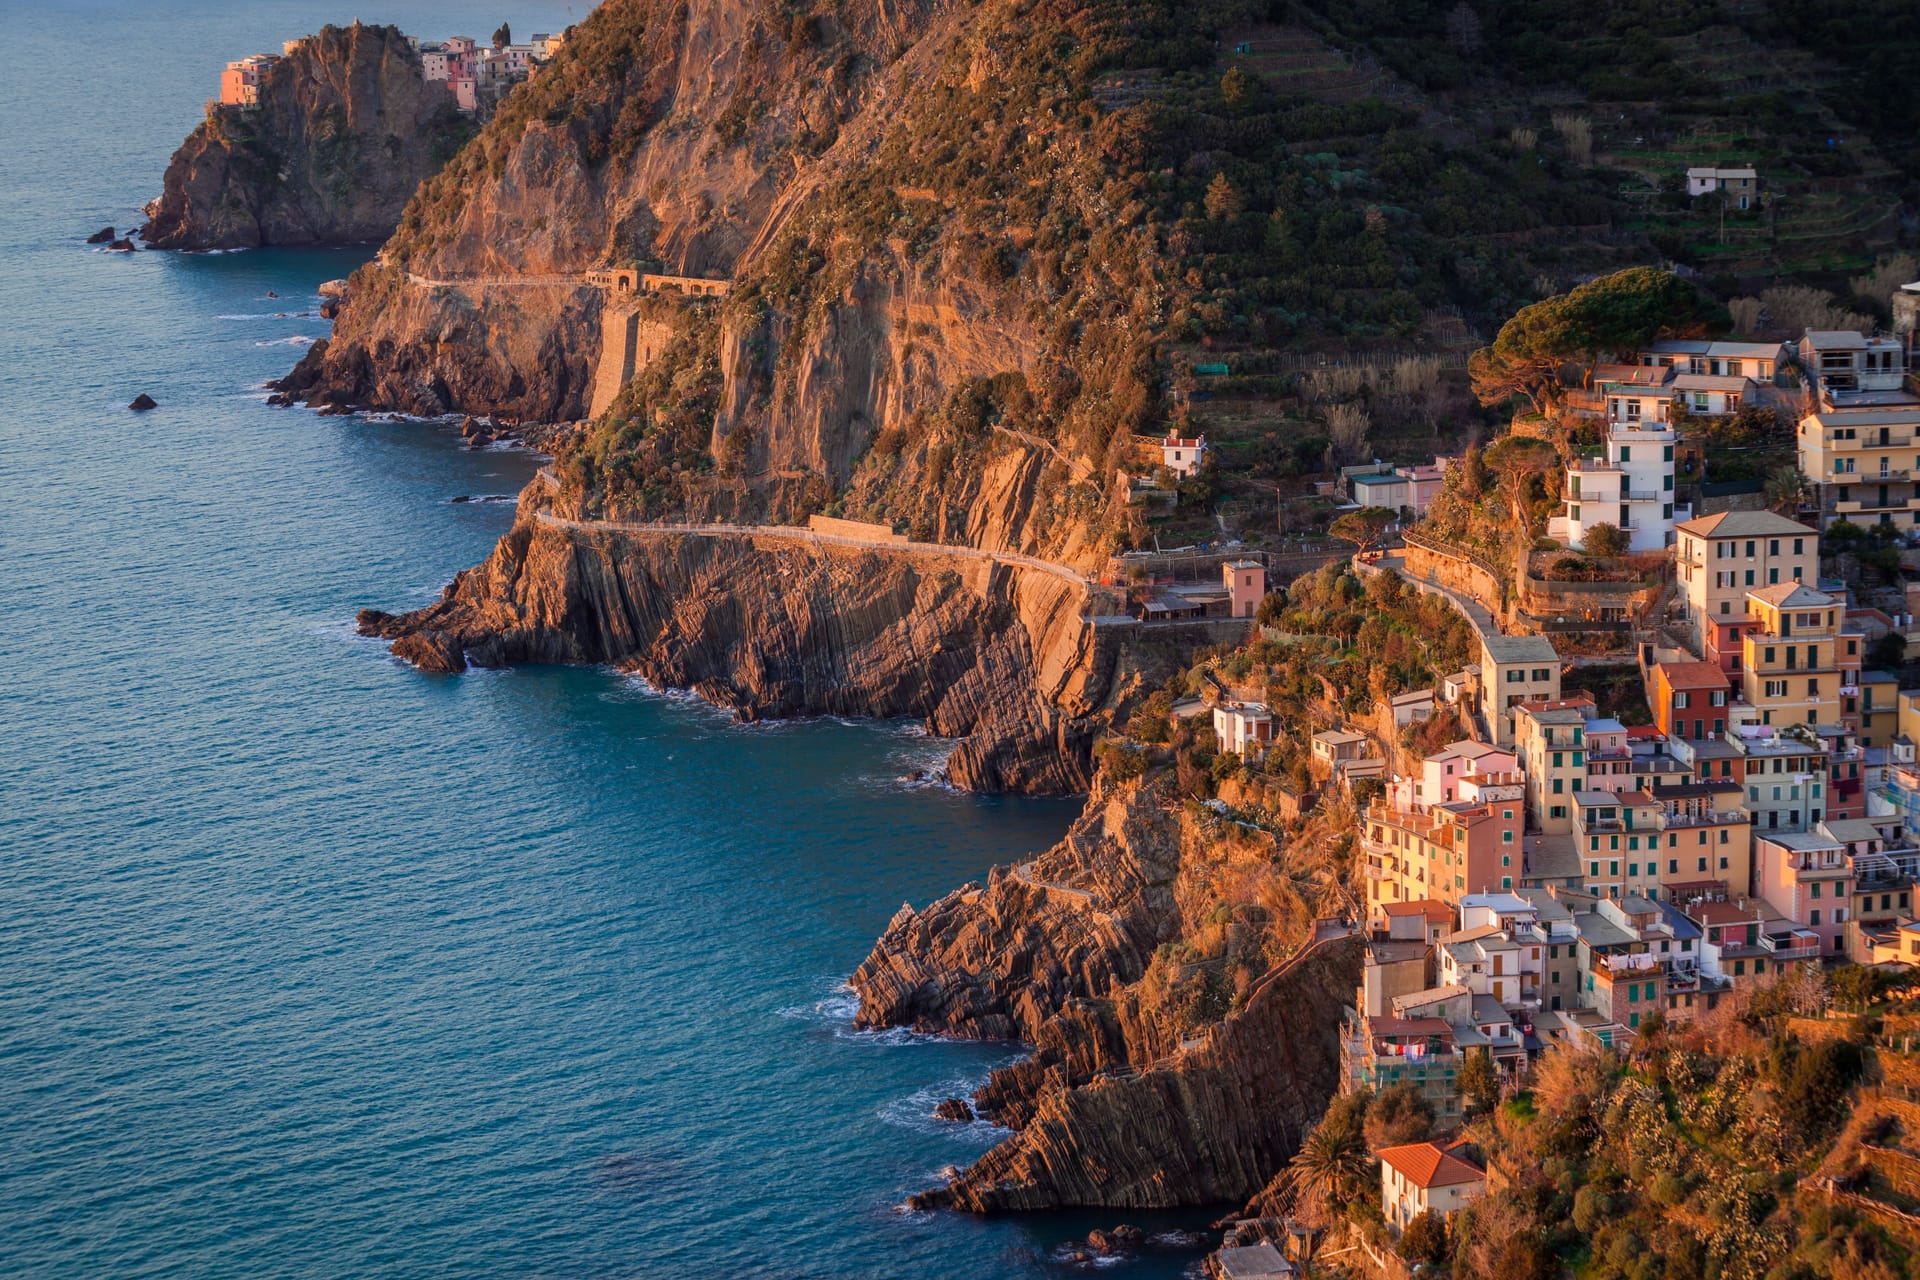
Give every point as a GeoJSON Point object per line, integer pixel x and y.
{"type": "Point", "coordinates": [1689, 698]}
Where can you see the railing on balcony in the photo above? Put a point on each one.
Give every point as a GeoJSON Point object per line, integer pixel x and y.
{"type": "Point", "coordinates": [1786, 946]}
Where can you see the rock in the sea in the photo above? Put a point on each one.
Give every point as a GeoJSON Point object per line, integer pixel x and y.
{"type": "Point", "coordinates": [958, 1110]}
{"type": "Point", "coordinates": [104, 235]}
{"type": "Point", "coordinates": [143, 402]}
{"type": "Point", "coordinates": [123, 246]}
{"type": "Point", "coordinates": [434, 651]}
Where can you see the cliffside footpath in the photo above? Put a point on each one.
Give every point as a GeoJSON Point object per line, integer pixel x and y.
{"type": "Point", "coordinates": [345, 130]}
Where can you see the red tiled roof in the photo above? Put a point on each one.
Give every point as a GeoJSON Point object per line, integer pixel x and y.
{"type": "Point", "coordinates": [1426, 1165]}
{"type": "Point", "coordinates": [1692, 675]}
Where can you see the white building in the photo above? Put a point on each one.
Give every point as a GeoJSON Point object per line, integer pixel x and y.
{"type": "Point", "coordinates": [1758, 361]}
{"type": "Point", "coordinates": [1240, 725]}
{"type": "Point", "coordinates": [1630, 488]}
{"type": "Point", "coordinates": [1843, 360]}
{"type": "Point", "coordinates": [1183, 457]}
{"type": "Point", "coordinates": [1741, 185]}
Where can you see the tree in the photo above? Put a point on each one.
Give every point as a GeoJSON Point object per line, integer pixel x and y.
{"type": "Point", "coordinates": [1607, 540]}
{"type": "Point", "coordinates": [1238, 89]}
{"type": "Point", "coordinates": [1478, 1081]}
{"type": "Point", "coordinates": [1425, 1239]}
{"type": "Point", "coordinates": [1519, 461]}
{"type": "Point", "coordinates": [1614, 313]}
{"type": "Point", "coordinates": [1223, 200]}
{"type": "Point", "coordinates": [1786, 490]}
{"type": "Point", "coordinates": [1397, 1116]}
{"type": "Point", "coordinates": [1333, 1167]}
{"type": "Point", "coordinates": [1365, 528]}
{"type": "Point", "coordinates": [503, 36]}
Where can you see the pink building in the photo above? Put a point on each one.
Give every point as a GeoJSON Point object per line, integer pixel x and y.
{"type": "Point", "coordinates": [1246, 585]}
{"type": "Point", "coordinates": [1808, 879]}
{"type": "Point", "coordinates": [1441, 773]}
{"type": "Point", "coordinates": [436, 64]}
{"type": "Point", "coordinates": [240, 82]}
{"type": "Point", "coordinates": [466, 93]}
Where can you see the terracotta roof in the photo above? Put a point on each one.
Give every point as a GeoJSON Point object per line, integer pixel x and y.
{"type": "Point", "coordinates": [1692, 675]}
{"type": "Point", "coordinates": [1426, 1165]}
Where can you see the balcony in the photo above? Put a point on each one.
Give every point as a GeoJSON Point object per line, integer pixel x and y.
{"type": "Point", "coordinates": [1715, 818]}
{"type": "Point", "coordinates": [1644, 495]}
{"type": "Point", "coordinates": [1798, 945]}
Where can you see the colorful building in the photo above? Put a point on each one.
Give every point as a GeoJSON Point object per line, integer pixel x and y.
{"type": "Point", "coordinates": [1720, 558]}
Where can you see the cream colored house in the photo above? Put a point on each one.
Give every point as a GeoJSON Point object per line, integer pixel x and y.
{"type": "Point", "coordinates": [1423, 1177]}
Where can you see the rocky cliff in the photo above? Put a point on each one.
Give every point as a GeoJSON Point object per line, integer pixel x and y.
{"type": "Point", "coordinates": [345, 130]}
{"type": "Point", "coordinates": [1182, 1009]}
{"type": "Point", "coordinates": [777, 626]}
{"type": "Point", "coordinates": [874, 332]}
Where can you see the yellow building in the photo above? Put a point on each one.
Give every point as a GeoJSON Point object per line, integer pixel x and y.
{"type": "Point", "coordinates": [1719, 558]}
{"type": "Point", "coordinates": [1796, 662]}
{"type": "Point", "coordinates": [1643, 844]}
{"type": "Point", "coordinates": [1864, 463]}
{"type": "Point", "coordinates": [1548, 738]}
{"type": "Point", "coordinates": [1879, 708]}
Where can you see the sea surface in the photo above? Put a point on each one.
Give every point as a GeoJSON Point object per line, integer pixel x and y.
{"type": "Point", "coordinates": [314, 966]}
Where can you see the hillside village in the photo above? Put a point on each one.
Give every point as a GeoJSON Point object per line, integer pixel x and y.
{"type": "Point", "coordinates": [1671, 800]}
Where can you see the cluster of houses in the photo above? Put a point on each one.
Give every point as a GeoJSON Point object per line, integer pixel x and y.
{"type": "Point", "coordinates": [468, 69]}
{"type": "Point", "coordinates": [1857, 440]}
{"type": "Point", "coordinates": [1560, 876]}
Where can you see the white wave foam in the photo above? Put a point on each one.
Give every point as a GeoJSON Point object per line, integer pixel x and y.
{"type": "Point", "coordinates": [838, 1004]}
{"type": "Point", "coordinates": [297, 340]}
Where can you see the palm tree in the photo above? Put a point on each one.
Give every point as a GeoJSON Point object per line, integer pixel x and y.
{"type": "Point", "coordinates": [1786, 491]}
{"type": "Point", "coordinates": [1333, 1165]}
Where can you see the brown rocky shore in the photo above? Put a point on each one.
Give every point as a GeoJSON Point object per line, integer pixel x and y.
{"type": "Point", "coordinates": [770, 627]}
{"type": "Point", "coordinates": [1124, 1102]}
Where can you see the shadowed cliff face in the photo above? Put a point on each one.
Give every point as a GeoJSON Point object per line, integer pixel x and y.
{"type": "Point", "coordinates": [770, 627]}
{"type": "Point", "coordinates": [1124, 1102]}
{"type": "Point", "coordinates": [345, 131]}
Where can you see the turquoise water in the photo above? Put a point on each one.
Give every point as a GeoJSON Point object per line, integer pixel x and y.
{"type": "Point", "coordinates": [313, 966]}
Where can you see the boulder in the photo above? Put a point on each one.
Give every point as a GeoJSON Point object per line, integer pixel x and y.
{"type": "Point", "coordinates": [434, 651]}
{"type": "Point", "coordinates": [123, 246]}
{"type": "Point", "coordinates": [958, 1110]}
{"type": "Point", "coordinates": [143, 402]}
{"type": "Point", "coordinates": [104, 235]}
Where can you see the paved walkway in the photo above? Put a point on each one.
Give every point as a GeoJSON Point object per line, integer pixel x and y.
{"type": "Point", "coordinates": [1471, 609]}
{"type": "Point", "coordinates": [795, 533]}
{"type": "Point", "coordinates": [498, 282]}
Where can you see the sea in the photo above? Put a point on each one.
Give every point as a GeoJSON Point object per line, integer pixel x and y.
{"type": "Point", "coordinates": [315, 966]}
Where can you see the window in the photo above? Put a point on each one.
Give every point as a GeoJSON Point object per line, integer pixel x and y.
{"type": "Point", "coordinates": [1813, 916]}
{"type": "Point", "coordinates": [1679, 704]}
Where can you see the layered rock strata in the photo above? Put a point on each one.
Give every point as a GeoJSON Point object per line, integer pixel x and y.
{"type": "Point", "coordinates": [771, 626]}
{"type": "Point", "coordinates": [1118, 1105]}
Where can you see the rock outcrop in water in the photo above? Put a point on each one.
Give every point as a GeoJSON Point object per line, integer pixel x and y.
{"type": "Point", "coordinates": [1132, 1098]}
{"type": "Point", "coordinates": [773, 627]}
{"type": "Point", "coordinates": [346, 129]}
